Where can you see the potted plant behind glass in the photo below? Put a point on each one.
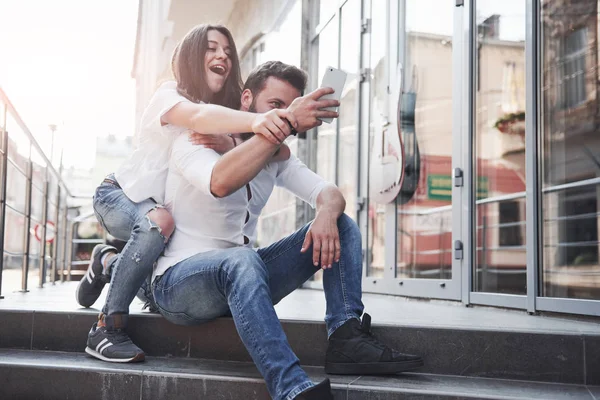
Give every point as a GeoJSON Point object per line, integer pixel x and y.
{"type": "Point", "coordinates": [512, 124]}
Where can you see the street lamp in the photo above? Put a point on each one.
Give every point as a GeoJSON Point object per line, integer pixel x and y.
{"type": "Point", "coordinates": [53, 130]}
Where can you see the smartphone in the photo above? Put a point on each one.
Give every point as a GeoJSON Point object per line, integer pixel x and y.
{"type": "Point", "coordinates": [335, 79]}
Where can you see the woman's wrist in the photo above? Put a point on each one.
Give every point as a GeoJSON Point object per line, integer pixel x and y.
{"type": "Point", "coordinates": [233, 139]}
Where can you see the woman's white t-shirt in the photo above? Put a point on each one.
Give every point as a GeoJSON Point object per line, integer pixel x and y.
{"type": "Point", "coordinates": [144, 174]}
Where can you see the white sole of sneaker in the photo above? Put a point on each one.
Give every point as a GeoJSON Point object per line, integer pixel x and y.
{"type": "Point", "coordinates": [94, 353]}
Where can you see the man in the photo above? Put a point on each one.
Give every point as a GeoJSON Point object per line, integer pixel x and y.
{"type": "Point", "coordinates": [209, 268]}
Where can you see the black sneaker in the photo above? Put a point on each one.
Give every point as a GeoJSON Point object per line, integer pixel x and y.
{"type": "Point", "coordinates": [353, 350]}
{"type": "Point", "coordinates": [93, 281]}
{"type": "Point", "coordinates": [322, 391]}
{"type": "Point", "coordinates": [112, 345]}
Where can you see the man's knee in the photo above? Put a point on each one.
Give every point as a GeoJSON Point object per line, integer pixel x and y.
{"type": "Point", "coordinates": [346, 225]}
{"type": "Point", "coordinates": [163, 220]}
{"type": "Point", "coordinates": [245, 263]}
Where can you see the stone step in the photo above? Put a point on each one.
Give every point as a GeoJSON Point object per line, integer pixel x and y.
{"type": "Point", "coordinates": [560, 357]}
{"type": "Point", "coordinates": [28, 374]}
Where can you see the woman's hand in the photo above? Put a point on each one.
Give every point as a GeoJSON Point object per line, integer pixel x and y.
{"type": "Point", "coordinates": [219, 143]}
{"type": "Point", "coordinates": [273, 125]}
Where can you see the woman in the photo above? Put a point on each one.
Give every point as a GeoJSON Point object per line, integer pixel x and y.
{"type": "Point", "coordinates": [204, 98]}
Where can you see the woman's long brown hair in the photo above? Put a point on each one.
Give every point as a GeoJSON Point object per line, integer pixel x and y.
{"type": "Point", "coordinates": [188, 68]}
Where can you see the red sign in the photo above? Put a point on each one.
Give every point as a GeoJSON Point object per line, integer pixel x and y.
{"type": "Point", "coordinates": [50, 232]}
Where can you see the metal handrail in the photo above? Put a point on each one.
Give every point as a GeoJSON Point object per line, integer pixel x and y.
{"type": "Point", "coordinates": [572, 217]}
{"type": "Point", "coordinates": [46, 187]}
{"type": "Point", "coordinates": [11, 109]}
{"type": "Point", "coordinates": [571, 185]}
{"type": "Point", "coordinates": [72, 242]}
{"type": "Point", "coordinates": [588, 243]}
{"type": "Point", "coordinates": [498, 199]}
{"type": "Point", "coordinates": [504, 225]}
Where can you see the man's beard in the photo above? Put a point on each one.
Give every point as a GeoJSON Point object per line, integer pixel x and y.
{"type": "Point", "coordinates": [248, 135]}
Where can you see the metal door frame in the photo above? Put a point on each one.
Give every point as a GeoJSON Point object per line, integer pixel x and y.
{"type": "Point", "coordinates": [450, 289]}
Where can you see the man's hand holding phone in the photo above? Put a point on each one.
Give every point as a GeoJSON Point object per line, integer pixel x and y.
{"type": "Point", "coordinates": [310, 109]}
{"type": "Point", "coordinates": [319, 106]}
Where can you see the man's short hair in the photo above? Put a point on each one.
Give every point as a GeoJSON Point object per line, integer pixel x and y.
{"type": "Point", "coordinates": [288, 73]}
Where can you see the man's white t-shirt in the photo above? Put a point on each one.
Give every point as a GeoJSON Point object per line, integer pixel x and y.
{"type": "Point", "coordinates": [204, 222]}
{"type": "Point", "coordinates": [144, 174]}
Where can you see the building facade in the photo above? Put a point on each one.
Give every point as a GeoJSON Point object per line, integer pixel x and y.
{"type": "Point", "coordinates": [497, 107]}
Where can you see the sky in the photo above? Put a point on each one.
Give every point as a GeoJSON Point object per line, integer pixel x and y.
{"type": "Point", "coordinates": [68, 62]}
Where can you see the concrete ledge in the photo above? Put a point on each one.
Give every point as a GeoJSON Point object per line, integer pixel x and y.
{"type": "Point", "coordinates": [548, 357]}
{"type": "Point", "coordinates": [56, 375]}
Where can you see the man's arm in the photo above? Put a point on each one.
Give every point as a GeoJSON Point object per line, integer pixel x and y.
{"type": "Point", "coordinates": [329, 202]}
{"type": "Point", "coordinates": [239, 166]}
{"type": "Point", "coordinates": [323, 233]}
{"type": "Point", "coordinates": [220, 176]}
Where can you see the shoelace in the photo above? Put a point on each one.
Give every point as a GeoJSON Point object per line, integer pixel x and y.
{"type": "Point", "coordinates": [365, 328]}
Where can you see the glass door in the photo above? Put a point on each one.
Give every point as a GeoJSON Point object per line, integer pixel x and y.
{"type": "Point", "coordinates": [411, 240]}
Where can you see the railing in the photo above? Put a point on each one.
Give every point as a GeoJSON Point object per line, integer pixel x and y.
{"type": "Point", "coordinates": [74, 241]}
{"type": "Point", "coordinates": [34, 203]}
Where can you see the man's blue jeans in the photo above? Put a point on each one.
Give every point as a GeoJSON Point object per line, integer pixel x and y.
{"type": "Point", "coordinates": [127, 221]}
{"type": "Point", "coordinates": [246, 283]}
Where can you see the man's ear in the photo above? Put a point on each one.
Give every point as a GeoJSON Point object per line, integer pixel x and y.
{"type": "Point", "coordinates": [247, 99]}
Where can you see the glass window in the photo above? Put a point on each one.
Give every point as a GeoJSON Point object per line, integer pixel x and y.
{"type": "Point", "coordinates": [18, 143]}
{"type": "Point", "coordinates": [52, 188]}
{"type": "Point", "coordinates": [34, 247]}
{"type": "Point", "coordinates": [16, 188]}
{"type": "Point", "coordinates": [281, 44]}
{"type": "Point", "coordinates": [378, 82]}
{"type": "Point", "coordinates": [572, 72]}
{"type": "Point", "coordinates": [37, 205]}
{"type": "Point", "coordinates": [348, 147]}
{"type": "Point", "coordinates": [327, 8]}
{"type": "Point", "coordinates": [501, 255]}
{"type": "Point", "coordinates": [284, 42]}
{"type": "Point", "coordinates": [13, 237]}
{"type": "Point", "coordinates": [570, 147]}
{"type": "Point", "coordinates": [510, 223]}
{"type": "Point", "coordinates": [425, 199]}
{"type": "Point", "coordinates": [328, 43]}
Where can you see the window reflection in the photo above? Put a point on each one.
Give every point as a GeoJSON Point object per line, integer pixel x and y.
{"type": "Point", "coordinates": [425, 198]}
{"type": "Point", "coordinates": [283, 43]}
{"type": "Point", "coordinates": [326, 9]}
{"type": "Point", "coordinates": [326, 140]}
{"type": "Point", "coordinates": [347, 151]}
{"type": "Point", "coordinates": [501, 255]}
{"type": "Point", "coordinates": [378, 82]}
{"type": "Point", "coordinates": [570, 149]}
